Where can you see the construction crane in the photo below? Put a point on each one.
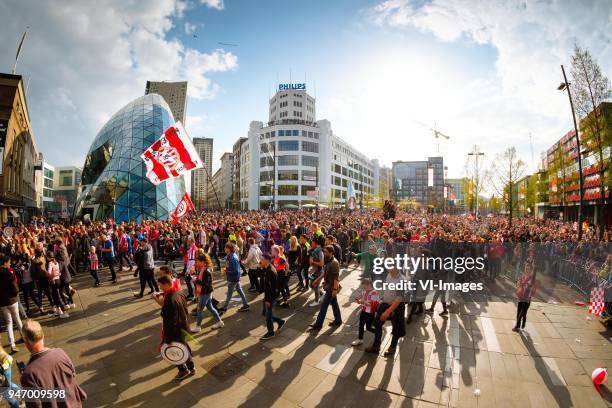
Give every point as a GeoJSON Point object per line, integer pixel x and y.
{"type": "Point", "coordinates": [437, 134]}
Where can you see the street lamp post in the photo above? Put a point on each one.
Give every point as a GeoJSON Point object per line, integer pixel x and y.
{"type": "Point", "coordinates": [476, 153]}
{"type": "Point", "coordinates": [566, 86]}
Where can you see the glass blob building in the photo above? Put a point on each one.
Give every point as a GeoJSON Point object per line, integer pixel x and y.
{"type": "Point", "coordinates": [114, 183]}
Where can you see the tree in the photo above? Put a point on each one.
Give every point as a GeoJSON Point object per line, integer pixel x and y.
{"type": "Point", "coordinates": [475, 180]}
{"type": "Point", "coordinates": [531, 195]}
{"type": "Point", "coordinates": [505, 171]}
{"type": "Point", "coordinates": [590, 88]}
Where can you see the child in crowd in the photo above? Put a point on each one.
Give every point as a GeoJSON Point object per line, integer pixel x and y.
{"type": "Point", "coordinates": [93, 265]}
{"type": "Point", "coordinates": [369, 302]}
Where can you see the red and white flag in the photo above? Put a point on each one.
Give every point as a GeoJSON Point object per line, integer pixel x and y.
{"type": "Point", "coordinates": [183, 207]}
{"type": "Point", "coordinates": [597, 303]}
{"type": "Point", "coordinates": [172, 155]}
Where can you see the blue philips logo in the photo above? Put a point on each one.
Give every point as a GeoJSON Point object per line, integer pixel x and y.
{"type": "Point", "coordinates": [284, 87]}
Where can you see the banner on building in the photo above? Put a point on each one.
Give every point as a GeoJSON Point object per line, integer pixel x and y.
{"type": "Point", "coordinates": [172, 155]}
{"type": "Point", "coordinates": [351, 198]}
{"type": "Point", "coordinates": [430, 177]}
{"type": "Point", "coordinates": [3, 135]}
{"type": "Point", "coordinates": [182, 209]}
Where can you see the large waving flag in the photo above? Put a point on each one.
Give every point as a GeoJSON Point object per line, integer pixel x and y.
{"type": "Point", "coordinates": [183, 207]}
{"type": "Point", "coordinates": [172, 155]}
{"type": "Point", "coordinates": [351, 198]}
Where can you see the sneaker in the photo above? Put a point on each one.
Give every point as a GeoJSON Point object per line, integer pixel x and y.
{"type": "Point", "coordinates": [280, 325]}
{"type": "Point", "coordinates": [14, 349]}
{"type": "Point", "coordinates": [64, 315]}
{"type": "Point", "coordinates": [56, 311]}
{"type": "Point", "coordinates": [193, 371]}
{"type": "Point", "coordinates": [444, 313]}
{"type": "Point", "coordinates": [314, 304]}
{"type": "Point", "coordinates": [515, 329]}
{"type": "Point", "coordinates": [267, 336]}
{"type": "Point", "coordinates": [195, 329]}
{"type": "Point", "coordinates": [244, 308]}
{"type": "Point", "coordinates": [218, 325]}
{"type": "Point", "coordinates": [334, 323]}
{"type": "Point", "coordinates": [182, 375]}
{"type": "Point", "coordinates": [389, 352]}
{"type": "Point", "coordinates": [357, 342]}
{"type": "Point", "coordinates": [313, 328]}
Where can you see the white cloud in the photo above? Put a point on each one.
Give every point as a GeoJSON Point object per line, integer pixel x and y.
{"type": "Point", "coordinates": [531, 39]}
{"type": "Point", "coordinates": [85, 60]}
{"type": "Point", "coordinates": [214, 4]}
{"type": "Point", "coordinates": [190, 29]}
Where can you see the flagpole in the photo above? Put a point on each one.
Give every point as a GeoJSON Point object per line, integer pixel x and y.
{"type": "Point", "coordinates": [213, 187]}
{"type": "Point", "coordinates": [19, 50]}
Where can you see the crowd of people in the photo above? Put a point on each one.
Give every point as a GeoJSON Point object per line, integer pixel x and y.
{"type": "Point", "coordinates": [268, 249]}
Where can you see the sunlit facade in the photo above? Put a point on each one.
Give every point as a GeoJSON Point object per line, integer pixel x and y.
{"type": "Point", "coordinates": [114, 183]}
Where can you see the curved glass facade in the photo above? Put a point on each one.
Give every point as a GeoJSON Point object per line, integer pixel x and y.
{"type": "Point", "coordinates": [114, 182]}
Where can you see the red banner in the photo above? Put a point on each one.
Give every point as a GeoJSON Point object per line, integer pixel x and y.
{"type": "Point", "coordinates": [182, 209]}
{"type": "Point", "coordinates": [172, 155]}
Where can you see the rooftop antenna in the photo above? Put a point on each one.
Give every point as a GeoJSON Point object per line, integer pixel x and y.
{"type": "Point", "coordinates": [290, 76]}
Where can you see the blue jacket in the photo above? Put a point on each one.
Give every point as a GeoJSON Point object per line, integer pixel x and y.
{"type": "Point", "coordinates": [233, 268]}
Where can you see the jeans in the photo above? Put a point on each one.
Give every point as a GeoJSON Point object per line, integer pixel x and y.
{"type": "Point", "coordinates": [12, 402]}
{"type": "Point", "coordinates": [44, 288]}
{"type": "Point", "coordinates": [205, 300]}
{"type": "Point", "coordinates": [283, 286]}
{"type": "Point", "coordinates": [28, 293]}
{"type": "Point", "coordinates": [231, 286]}
{"type": "Point", "coordinates": [110, 262]}
{"type": "Point", "coordinates": [270, 318]}
{"type": "Point", "coordinates": [521, 314]}
{"type": "Point", "coordinates": [94, 274]}
{"type": "Point", "coordinates": [55, 293]}
{"type": "Point", "coordinates": [365, 323]}
{"type": "Point", "coordinates": [147, 277]}
{"type": "Point", "coordinates": [11, 313]}
{"type": "Point", "coordinates": [327, 300]}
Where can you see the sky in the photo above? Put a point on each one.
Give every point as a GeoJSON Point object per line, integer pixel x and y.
{"type": "Point", "coordinates": [484, 72]}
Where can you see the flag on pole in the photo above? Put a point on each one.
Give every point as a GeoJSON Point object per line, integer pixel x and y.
{"type": "Point", "coordinates": [172, 155]}
{"type": "Point", "coordinates": [183, 207]}
{"type": "Point", "coordinates": [351, 198]}
{"type": "Point", "coordinates": [597, 303]}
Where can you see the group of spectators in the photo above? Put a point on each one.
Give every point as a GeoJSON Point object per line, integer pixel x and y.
{"type": "Point", "coordinates": [39, 260]}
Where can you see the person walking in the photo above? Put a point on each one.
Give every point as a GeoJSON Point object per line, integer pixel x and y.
{"type": "Point", "coordinates": [316, 266]}
{"type": "Point", "coordinates": [145, 265]}
{"type": "Point", "coordinates": [54, 276]}
{"type": "Point", "coordinates": [108, 255]}
{"type": "Point", "coordinates": [93, 265]}
{"type": "Point", "coordinates": [270, 288]}
{"type": "Point", "coordinates": [232, 273]}
{"type": "Point", "coordinates": [331, 277]}
{"type": "Point", "coordinates": [252, 264]}
{"type": "Point", "coordinates": [526, 288]}
{"type": "Point", "coordinates": [204, 291]}
{"type": "Point", "coordinates": [49, 368]}
{"type": "Point", "coordinates": [175, 324]}
{"type": "Point", "coordinates": [9, 295]}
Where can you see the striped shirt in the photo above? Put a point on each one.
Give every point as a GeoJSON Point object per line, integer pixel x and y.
{"type": "Point", "coordinates": [93, 261]}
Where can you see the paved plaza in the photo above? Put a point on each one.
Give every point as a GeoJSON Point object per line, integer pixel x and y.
{"type": "Point", "coordinates": [112, 338]}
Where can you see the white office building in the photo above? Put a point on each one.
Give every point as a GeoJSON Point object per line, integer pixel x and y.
{"type": "Point", "coordinates": [294, 160]}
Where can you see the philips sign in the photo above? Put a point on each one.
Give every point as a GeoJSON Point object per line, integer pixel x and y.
{"type": "Point", "coordinates": [284, 87]}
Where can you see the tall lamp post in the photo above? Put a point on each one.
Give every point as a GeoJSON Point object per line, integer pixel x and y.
{"type": "Point", "coordinates": [562, 87]}
{"type": "Point", "coordinates": [476, 153]}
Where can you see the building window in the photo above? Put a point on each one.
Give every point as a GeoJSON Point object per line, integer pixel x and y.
{"type": "Point", "coordinates": [65, 181]}
{"type": "Point", "coordinates": [306, 189]}
{"type": "Point", "coordinates": [312, 147]}
{"type": "Point", "coordinates": [284, 175]}
{"type": "Point", "coordinates": [288, 145]}
{"type": "Point", "coordinates": [310, 161]}
{"type": "Point", "coordinates": [309, 175]}
{"type": "Point", "coordinates": [266, 162]}
{"type": "Point", "coordinates": [265, 175]}
{"type": "Point", "coordinates": [281, 133]}
{"type": "Point", "coordinates": [287, 190]}
{"type": "Point", "coordinates": [292, 160]}
{"type": "Point", "coordinates": [266, 148]}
